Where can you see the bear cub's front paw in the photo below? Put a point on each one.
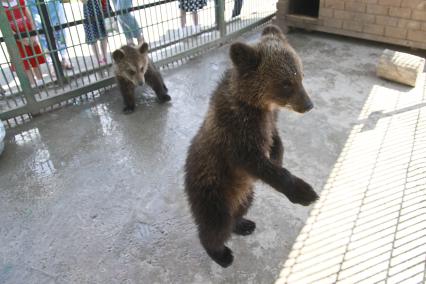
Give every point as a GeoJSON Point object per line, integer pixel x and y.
{"type": "Point", "coordinates": [302, 193]}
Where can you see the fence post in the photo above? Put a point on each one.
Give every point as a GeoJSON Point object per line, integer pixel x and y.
{"type": "Point", "coordinates": [220, 16]}
{"type": "Point", "coordinates": [15, 58]}
{"type": "Point", "coordinates": [50, 38]}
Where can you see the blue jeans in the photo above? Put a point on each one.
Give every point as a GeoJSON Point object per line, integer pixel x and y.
{"type": "Point", "coordinates": [57, 16]}
{"type": "Point", "coordinates": [127, 21]}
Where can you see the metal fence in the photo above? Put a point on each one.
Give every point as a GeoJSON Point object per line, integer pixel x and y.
{"type": "Point", "coordinates": [49, 58]}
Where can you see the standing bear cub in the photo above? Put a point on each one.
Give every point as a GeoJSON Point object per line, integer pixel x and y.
{"type": "Point", "coordinates": [238, 142]}
{"type": "Point", "coordinates": [133, 67]}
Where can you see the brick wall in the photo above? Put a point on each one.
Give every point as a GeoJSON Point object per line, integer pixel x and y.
{"type": "Point", "coordinates": [401, 22]}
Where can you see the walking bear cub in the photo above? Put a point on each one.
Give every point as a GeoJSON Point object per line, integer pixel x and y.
{"type": "Point", "coordinates": [238, 142]}
{"type": "Point", "coordinates": [133, 67]}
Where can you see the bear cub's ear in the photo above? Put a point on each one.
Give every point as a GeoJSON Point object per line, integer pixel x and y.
{"type": "Point", "coordinates": [143, 48]}
{"type": "Point", "coordinates": [273, 30]}
{"type": "Point", "coordinates": [244, 57]}
{"type": "Point", "coordinates": [118, 55]}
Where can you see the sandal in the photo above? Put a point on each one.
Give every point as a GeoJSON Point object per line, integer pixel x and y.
{"type": "Point", "coordinates": [102, 61]}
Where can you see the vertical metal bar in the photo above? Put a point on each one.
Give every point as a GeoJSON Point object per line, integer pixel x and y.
{"type": "Point", "coordinates": [15, 59]}
{"type": "Point", "coordinates": [51, 41]}
{"type": "Point", "coordinates": [220, 17]}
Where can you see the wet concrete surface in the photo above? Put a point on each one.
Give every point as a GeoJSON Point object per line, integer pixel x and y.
{"type": "Point", "coordinates": [90, 195]}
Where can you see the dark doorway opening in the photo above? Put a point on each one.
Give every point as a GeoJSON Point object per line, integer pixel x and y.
{"type": "Point", "coordinates": [304, 7]}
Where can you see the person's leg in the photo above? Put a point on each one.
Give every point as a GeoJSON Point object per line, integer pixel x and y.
{"type": "Point", "coordinates": [90, 30]}
{"type": "Point", "coordinates": [182, 18]}
{"type": "Point", "coordinates": [99, 31]}
{"type": "Point", "coordinates": [23, 54]}
{"type": "Point", "coordinates": [95, 50]}
{"type": "Point", "coordinates": [31, 4]}
{"type": "Point", "coordinates": [196, 27]}
{"type": "Point", "coordinates": [216, 13]}
{"type": "Point", "coordinates": [104, 48]}
{"type": "Point", "coordinates": [62, 47]}
{"type": "Point", "coordinates": [118, 6]}
{"type": "Point", "coordinates": [238, 4]}
{"type": "Point", "coordinates": [127, 21]}
{"type": "Point", "coordinates": [37, 73]}
{"type": "Point", "coordinates": [135, 30]}
{"type": "Point", "coordinates": [57, 16]}
{"type": "Point", "coordinates": [195, 18]}
{"type": "Point", "coordinates": [33, 63]}
{"type": "Point", "coordinates": [30, 76]}
{"type": "Point", "coordinates": [65, 61]}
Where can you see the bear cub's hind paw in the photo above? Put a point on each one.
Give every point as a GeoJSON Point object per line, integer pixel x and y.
{"type": "Point", "coordinates": [224, 258]}
{"type": "Point", "coordinates": [244, 227]}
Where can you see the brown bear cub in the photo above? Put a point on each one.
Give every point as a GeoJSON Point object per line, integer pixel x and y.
{"type": "Point", "coordinates": [238, 142]}
{"type": "Point", "coordinates": [133, 67]}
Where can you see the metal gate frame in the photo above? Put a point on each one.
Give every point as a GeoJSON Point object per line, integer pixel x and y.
{"type": "Point", "coordinates": [33, 107]}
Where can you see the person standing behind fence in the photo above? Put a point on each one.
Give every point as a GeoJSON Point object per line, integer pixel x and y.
{"type": "Point", "coordinates": [127, 21]}
{"type": "Point", "coordinates": [20, 21]}
{"type": "Point", "coordinates": [238, 5]}
{"type": "Point", "coordinates": [56, 13]}
{"type": "Point", "coordinates": [191, 6]}
{"type": "Point", "coordinates": [94, 28]}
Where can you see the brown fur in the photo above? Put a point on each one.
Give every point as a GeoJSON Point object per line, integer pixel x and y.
{"type": "Point", "coordinates": [132, 68]}
{"type": "Point", "coordinates": [238, 141]}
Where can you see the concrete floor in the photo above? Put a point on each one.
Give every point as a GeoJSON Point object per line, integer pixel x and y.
{"type": "Point", "coordinates": [89, 195]}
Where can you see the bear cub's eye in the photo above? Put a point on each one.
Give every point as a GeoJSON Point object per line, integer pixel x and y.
{"type": "Point", "coordinates": [131, 72]}
{"type": "Point", "coordinates": [142, 68]}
